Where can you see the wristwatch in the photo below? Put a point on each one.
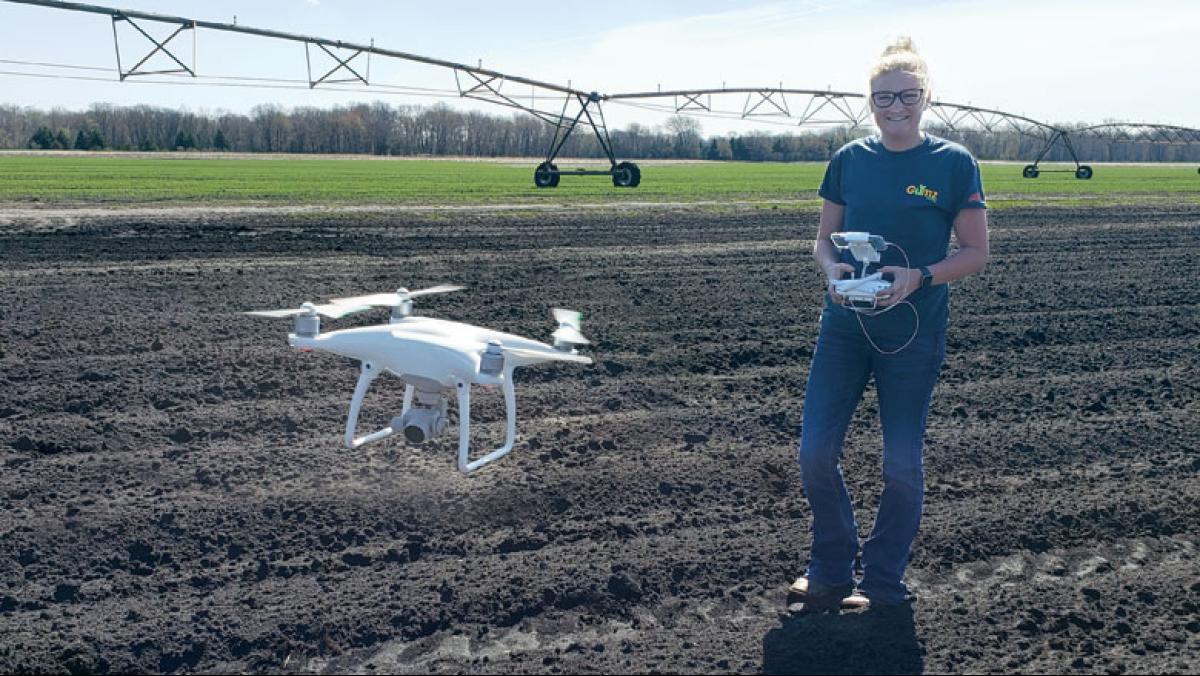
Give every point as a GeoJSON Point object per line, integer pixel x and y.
{"type": "Point", "coordinates": [926, 276]}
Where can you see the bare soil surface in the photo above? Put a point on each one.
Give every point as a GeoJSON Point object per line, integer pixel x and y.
{"type": "Point", "coordinates": [57, 217]}
{"type": "Point", "coordinates": [176, 497]}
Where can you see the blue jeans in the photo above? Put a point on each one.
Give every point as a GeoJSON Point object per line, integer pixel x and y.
{"type": "Point", "coordinates": [841, 366]}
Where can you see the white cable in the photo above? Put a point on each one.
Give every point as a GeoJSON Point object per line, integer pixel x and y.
{"type": "Point", "coordinates": [911, 338]}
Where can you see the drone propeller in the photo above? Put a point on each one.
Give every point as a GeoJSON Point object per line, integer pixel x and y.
{"type": "Point", "coordinates": [332, 310]}
{"type": "Point", "coordinates": [569, 324]}
{"type": "Point", "coordinates": [397, 297]}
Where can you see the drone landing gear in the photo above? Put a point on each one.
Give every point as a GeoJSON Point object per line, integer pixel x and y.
{"type": "Point", "coordinates": [464, 425]}
{"type": "Point", "coordinates": [417, 403]}
{"type": "Point", "coordinates": [368, 374]}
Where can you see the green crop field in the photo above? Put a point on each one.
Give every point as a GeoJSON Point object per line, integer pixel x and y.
{"type": "Point", "coordinates": [99, 180]}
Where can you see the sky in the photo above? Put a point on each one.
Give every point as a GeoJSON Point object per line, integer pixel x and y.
{"type": "Point", "coordinates": [1055, 61]}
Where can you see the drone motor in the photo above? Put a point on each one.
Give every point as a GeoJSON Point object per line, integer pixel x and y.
{"type": "Point", "coordinates": [403, 307]}
{"type": "Point", "coordinates": [568, 336]}
{"type": "Point", "coordinates": [491, 361]}
{"type": "Point", "coordinates": [307, 325]}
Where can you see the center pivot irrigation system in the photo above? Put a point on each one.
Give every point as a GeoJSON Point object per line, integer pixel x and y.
{"type": "Point", "coordinates": [772, 105]}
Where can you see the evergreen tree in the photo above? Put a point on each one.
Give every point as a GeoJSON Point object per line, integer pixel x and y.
{"type": "Point", "coordinates": [42, 139]}
{"type": "Point", "coordinates": [62, 140]}
{"type": "Point", "coordinates": [148, 145]}
{"type": "Point", "coordinates": [219, 142]}
{"type": "Point", "coordinates": [83, 141]}
{"type": "Point", "coordinates": [95, 140]}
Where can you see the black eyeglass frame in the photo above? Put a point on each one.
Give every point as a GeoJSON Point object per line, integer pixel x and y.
{"type": "Point", "coordinates": [892, 96]}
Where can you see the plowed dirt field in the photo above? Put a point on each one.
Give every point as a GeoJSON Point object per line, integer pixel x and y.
{"type": "Point", "coordinates": [176, 498]}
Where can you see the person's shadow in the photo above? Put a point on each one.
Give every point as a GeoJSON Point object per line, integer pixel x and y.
{"type": "Point", "coordinates": [852, 643]}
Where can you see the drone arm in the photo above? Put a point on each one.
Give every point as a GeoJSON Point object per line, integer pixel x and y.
{"type": "Point", "coordinates": [464, 424]}
{"type": "Point", "coordinates": [368, 374]}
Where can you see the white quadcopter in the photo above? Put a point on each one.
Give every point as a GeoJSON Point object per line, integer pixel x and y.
{"type": "Point", "coordinates": [433, 357]}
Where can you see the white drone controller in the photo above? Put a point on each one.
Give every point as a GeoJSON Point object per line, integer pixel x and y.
{"type": "Point", "coordinates": [861, 292]}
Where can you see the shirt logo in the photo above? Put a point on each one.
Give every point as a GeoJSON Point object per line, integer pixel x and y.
{"type": "Point", "coordinates": [928, 193]}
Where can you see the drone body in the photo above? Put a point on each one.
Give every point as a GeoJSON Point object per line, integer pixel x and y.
{"type": "Point", "coordinates": [434, 358]}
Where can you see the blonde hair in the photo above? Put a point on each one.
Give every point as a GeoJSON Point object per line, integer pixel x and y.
{"type": "Point", "coordinates": [902, 55]}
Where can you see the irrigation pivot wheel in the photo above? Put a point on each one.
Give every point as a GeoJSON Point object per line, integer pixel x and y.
{"type": "Point", "coordinates": [1084, 172]}
{"type": "Point", "coordinates": [546, 175]}
{"type": "Point", "coordinates": [1030, 171]}
{"type": "Point", "coordinates": [626, 175]}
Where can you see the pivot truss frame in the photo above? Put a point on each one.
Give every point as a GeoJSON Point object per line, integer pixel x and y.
{"type": "Point", "coordinates": [820, 107]}
{"type": "Point", "coordinates": [852, 110]}
{"type": "Point", "coordinates": [1127, 132]}
{"type": "Point", "coordinates": [342, 64]}
{"type": "Point", "coordinates": [119, 17]}
{"type": "Point", "coordinates": [967, 120]}
{"type": "Point", "coordinates": [848, 109]}
{"type": "Point", "coordinates": [473, 82]}
{"type": "Point", "coordinates": [776, 105]}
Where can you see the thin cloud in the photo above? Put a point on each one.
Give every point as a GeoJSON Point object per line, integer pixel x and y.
{"type": "Point", "coordinates": [1057, 62]}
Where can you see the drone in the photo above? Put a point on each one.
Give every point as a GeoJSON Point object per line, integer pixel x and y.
{"type": "Point", "coordinates": [435, 358]}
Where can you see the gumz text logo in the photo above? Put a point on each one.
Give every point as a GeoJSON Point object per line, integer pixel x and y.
{"type": "Point", "coordinates": [928, 193]}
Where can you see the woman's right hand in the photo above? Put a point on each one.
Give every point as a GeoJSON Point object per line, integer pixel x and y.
{"type": "Point", "coordinates": [833, 273]}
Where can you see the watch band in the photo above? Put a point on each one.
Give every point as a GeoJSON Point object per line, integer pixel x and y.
{"type": "Point", "coordinates": [926, 276]}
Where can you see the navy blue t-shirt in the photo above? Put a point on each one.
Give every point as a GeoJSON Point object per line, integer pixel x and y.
{"type": "Point", "coordinates": [911, 198]}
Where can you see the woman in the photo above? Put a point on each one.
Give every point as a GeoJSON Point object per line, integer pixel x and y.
{"type": "Point", "coordinates": [912, 189]}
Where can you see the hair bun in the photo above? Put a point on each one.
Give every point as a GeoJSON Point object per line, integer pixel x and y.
{"type": "Point", "coordinates": [900, 45]}
{"type": "Point", "coordinates": [902, 55]}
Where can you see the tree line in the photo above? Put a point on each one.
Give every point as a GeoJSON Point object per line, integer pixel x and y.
{"type": "Point", "coordinates": [439, 130]}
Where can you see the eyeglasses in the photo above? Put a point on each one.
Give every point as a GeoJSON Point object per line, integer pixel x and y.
{"type": "Point", "coordinates": [883, 99]}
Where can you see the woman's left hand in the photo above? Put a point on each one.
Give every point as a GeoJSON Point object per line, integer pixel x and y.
{"type": "Point", "coordinates": [905, 281]}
